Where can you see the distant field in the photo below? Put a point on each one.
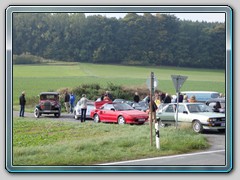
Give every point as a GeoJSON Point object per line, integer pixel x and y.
{"type": "Point", "coordinates": [37, 78]}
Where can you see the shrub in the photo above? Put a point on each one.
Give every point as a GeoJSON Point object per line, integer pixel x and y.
{"type": "Point", "coordinates": [26, 59]}
{"type": "Point", "coordinates": [93, 92]}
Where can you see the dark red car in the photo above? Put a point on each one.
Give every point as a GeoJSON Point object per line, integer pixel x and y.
{"type": "Point", "coordinates": [120, 113]}
{"type": "Point", "coordinates": [48, 104]}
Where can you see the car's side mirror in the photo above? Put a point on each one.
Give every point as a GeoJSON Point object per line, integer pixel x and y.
{"type": "Point", "coordinates": [185, 112]}
{"type": "Point", "coordinates": [112, 109]}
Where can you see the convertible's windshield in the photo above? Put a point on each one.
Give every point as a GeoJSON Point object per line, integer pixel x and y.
{"type": "Point", "coordinates": [195, 108]}
{"type": "Point", "coordinates": [122, 107]}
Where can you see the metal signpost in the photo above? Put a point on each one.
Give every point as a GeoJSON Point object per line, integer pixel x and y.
{"type": "Point", "coordinates": [178, 82]}
{"type": "Point", "coordinates": [151, 84]}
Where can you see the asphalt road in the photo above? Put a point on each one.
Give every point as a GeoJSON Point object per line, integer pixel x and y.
{"type": "Point", "coordinates": [213, 156]}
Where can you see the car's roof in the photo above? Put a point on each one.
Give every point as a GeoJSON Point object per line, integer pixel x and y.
{"type": "Point", "coordinates": [199, 92]}
{"type": "Point", "coordinates": [48, 93]}
{"type": "Point", "coordinates": [185, 103]}
{"type": "Point", "coordinates": [216, 99]}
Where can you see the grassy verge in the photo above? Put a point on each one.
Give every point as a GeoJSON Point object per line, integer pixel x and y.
{"type": "Point", "coordinates": [48, 142]}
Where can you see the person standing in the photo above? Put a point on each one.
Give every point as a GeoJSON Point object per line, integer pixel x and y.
{"type": "Point", "coordinates": [192, 99]}
{"type": "Point", "coordinates": [136, 97]}
{"type": "Point", "coordinates": [83, 106]}
{"type": "Point", "coordinates": [185, 98]}
{"type": "Point", "coordinates": [22, 102]}
{"type": "Point", "coordinates": [109, 95]}
{"type": "Point", "coordinates": [180, 98]}
{"type": "Point", "coordinates": [154, 110]}
{"type": "Point", "coordinates": [72, 100]}
{"type": "Point", "coordinates": [167, 99]}
{"type": "Point", "coordinates": [66, 101]}
{"type": "Point", "coordinates": [157, 100]}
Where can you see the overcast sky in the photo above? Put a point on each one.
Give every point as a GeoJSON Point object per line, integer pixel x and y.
{"type": "Point", "coordinates": [209, 17]}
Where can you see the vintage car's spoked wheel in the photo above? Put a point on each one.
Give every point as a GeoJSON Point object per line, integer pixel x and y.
{"type": "Point", "coordinates": [57, 115]}
{"type": "Point", "coordinates": [96, 118]}
{"type": "Point", "coordinates": [36, 113]}
{"type": "Point", "coordinates": [121, 120]}
{"type": "Point", "coordinates": [197, 126]}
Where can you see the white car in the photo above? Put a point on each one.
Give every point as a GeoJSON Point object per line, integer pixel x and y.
{"type": "Point", "coordinates": [199, 114]}
{"type": "Point", "coordinates": [77, 110]}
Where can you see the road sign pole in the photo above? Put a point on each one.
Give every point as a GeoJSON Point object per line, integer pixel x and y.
{"type": "Point", "coordinates": [178, 82]}
{"type": "Point", "coordinates": [157, 134]}
{"type": "Point", "coordinates": [177, 110]}
{"type": "Point", "coordinates": [151, 89]}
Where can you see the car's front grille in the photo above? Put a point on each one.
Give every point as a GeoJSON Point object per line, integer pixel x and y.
{"type": "Point", "coordinates": [47, 106]}
{"type": "Point", "coordinates": [220, 119]}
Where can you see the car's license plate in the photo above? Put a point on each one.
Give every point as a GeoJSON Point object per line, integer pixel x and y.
{"type": "Point", "coordinates": [141, 119]}
{"type": "Point", "coordinates": [222, 124]}
{"type": "Point", "coordinates": [47, 111]}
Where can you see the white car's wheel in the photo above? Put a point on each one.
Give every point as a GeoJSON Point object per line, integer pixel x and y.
{"type": "Point", "coordinates": [162, 124]}
{"type": "Point", "coordinates": [197, 126]}
{"type": "Point", "coordinates": [96, 118]}
{"type": "Point", "coordinates": [121, 120]}
{"type": "Point", "coordinates": [75, 116]}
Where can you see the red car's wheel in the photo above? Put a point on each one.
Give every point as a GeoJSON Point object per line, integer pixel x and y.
{"type": "Point", "coordinates": [96, 118]}
{"type": "Point", "coordinates": [121, 120]}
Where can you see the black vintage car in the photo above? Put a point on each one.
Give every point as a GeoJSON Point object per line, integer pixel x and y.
{"type": "Point", "coordinates": [217, 104]}
{"type": "Point", "coordinates": [48, 104]}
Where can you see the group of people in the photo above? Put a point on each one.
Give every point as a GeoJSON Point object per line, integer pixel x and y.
{"type": "Point", "coordinates": [69, 102]}
{"type": "Point", "coordinates": [161, 97]}
{"type": "Point", "coordinates": [107, 96]}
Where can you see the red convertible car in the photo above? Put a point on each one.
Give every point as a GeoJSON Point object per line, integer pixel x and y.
{"type": "Point", "coordinates": [120, 113]}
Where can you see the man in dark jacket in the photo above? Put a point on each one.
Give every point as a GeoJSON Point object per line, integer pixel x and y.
{"type": "Point", "coordinates": [67, 101]}
{"type": "Point", "coordinates": [167, 99]}
{"type": "Point", "coordinates": [22, 102]}
{"type": "Point", "coordinates": [136, 97]}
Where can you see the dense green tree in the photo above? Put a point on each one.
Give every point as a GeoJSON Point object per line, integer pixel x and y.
{"type": "Point", "coordinates": [147, 39]}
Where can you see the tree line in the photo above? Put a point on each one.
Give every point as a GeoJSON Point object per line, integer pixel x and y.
{"type": "Point", "coordinates": [147, 39]}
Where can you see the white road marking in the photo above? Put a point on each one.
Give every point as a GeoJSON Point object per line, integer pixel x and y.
{"type": "Point", "coordinates": [165, 157]}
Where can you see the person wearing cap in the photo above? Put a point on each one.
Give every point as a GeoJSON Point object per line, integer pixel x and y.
{"type": "Point", "coordinates": [83, 105]}
{"type": "Point", "coordinates": [22, 102]}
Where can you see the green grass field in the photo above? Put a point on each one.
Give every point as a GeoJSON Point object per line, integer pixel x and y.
{"type": "Point", "coordinates": [50, 142]}
{"type": "Point", "coordinates": [37, 78]}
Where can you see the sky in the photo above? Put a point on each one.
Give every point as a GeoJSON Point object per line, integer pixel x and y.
{"type": "Point", "coordinates": [208, 17]}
